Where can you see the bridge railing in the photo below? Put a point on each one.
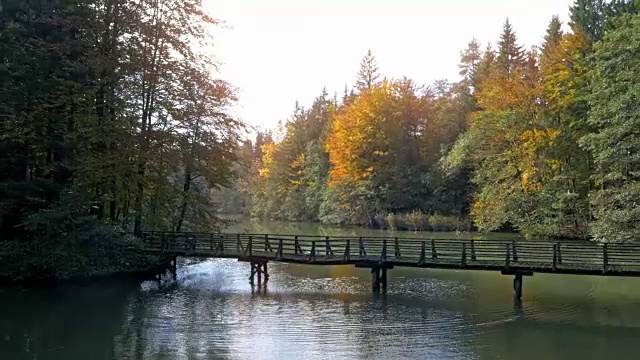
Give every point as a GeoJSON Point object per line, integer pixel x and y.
{"type": "Point", "coordinates": [345, 249]}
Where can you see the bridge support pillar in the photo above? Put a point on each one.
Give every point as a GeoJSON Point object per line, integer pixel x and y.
{"type": "Point", "coordinates": [378, 279]}
{"type": "Point", "coordinates": [517, 286]}
{"type": "Point", "coordinates": [375, 279]}
{"type": "Point", "coordinates": [174, 266]}
{"type": "Point", "coordinates": [517, 281]}
{"type": "Point", "coordinates": [259, 269]}
{"type": "Point", "coordinates": [378, 273]}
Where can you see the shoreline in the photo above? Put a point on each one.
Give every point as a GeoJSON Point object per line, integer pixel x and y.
{"type": "Point", "coordinates": [141, 274]}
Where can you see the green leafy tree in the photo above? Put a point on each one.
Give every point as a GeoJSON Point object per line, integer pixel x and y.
{"type": "Point", "coordinates": [614, 118]}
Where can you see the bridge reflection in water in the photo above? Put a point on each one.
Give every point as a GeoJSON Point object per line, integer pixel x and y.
{"type": "Point", "coordinates": [380, 254]}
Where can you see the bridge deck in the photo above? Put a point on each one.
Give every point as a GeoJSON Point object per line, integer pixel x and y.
{"type": "Point", "coordinates": [568, 257]}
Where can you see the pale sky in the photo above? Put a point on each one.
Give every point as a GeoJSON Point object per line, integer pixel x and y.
{"type": "Point", "coordinates": [280, 51]}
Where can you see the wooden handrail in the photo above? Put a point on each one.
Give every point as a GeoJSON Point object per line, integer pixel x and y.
{"type": "Point", "coordinates": [534, 255]}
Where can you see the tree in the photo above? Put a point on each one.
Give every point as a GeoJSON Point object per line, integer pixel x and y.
{"type": "Point", "coordinates": [379, 147]}
{"type": "Point", "coordinates": [106, 106]}
{"type": "Point", "coordinates": [485, 67]}
{"type": "Point", "coordinates": [368, 74]}
{"type": "Point", "coordinates": [209, 140]}
{"type": "Point", "coordinates": [595, 17]}
{"type": "Point", "coordinates": [45, 95]}
{"type": "Point", "coordinates": [563, 78]}
{"type": "Point", "coordinates": [587, 15]}
{"type": "Point", "coordinates": [165, 37]}
{"type": "Point", "coordinates": [294, 169]}
{"type": "Point", "coordinates": [553, 35]}
{"type": "Point", "coordinates": [510, 54]}
{"type": "Point", "coordinates": [470, 60]}
{"type": "Point", "coordinates": [614, 119]}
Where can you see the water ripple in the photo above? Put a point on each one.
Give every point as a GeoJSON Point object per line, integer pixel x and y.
{"type": "Point", "coordinates": [210, 312]}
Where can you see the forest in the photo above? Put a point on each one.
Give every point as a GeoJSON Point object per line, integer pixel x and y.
{"type": "Point", "coordinates": [112, 120]}
{"type": "Point", "coordinates": [541, 140]}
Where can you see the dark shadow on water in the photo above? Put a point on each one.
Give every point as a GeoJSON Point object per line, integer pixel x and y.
{"type": "Point", "coordinates": [71, 321]}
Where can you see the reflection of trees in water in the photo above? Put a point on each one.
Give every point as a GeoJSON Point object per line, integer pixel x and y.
{"type": "Point", "coordinates": [130, 341]}
{"type": "Point", "coordinates": [182, 323]}
{"type": "Point", "coordinates": [71, 321]}
{"type": "Point", "coordinates": [309, 228]}
{"type": "Point", "coordinates": [320, 271]}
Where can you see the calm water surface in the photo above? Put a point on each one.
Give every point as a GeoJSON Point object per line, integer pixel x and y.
{"type": "Point", "coordinates": [211, 312]}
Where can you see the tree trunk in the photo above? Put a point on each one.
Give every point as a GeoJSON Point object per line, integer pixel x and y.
{"type": "Point", "coordinates": [185, 196]}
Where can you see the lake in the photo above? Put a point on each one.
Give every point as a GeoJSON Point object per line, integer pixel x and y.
{"type": "Point", "coordinates": [210, 311]}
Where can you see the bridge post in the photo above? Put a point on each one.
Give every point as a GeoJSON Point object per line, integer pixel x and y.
{"type": "Point", "coordinates": [259, 268]}
{"type": "Point", "coordinates": [266, 271]}
{"type": "Point", "coordinates": [507, 261]}
{"type": "Point", "coordinates": [174, 266]}
{"type": "Point", "coordinates": [517, 281]}
{"type": "Point", "coordinates": [361, 250]}
{"type": "Point", "coordinates": [383, 279]}
{"type": "Point", "coordinates": [375, 279]}
{"type": "Point", "coordinates": [473, 250]}
{"type": "Point", "coordinates": [327, 247]}
{"type": "Point", "coordinates": [379, 277]}
{"type": "Point", "coordinates": [312, 254]}
{"type": "Point", "coordinates": [517, 286]}
{"type": "Point", "coordinates": [605, 258]}
{"type": "Point", "coordinates": [463, 261]}
{"type": "Point", "coordinates": [347, 251]}
{"type": "Point", "coordinates": [267, 244]}
{"type": "Point", "coordinates": [559, 256]}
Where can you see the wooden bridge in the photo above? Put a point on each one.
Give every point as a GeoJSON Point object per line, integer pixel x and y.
{"type": "Point", "coordinates": [511, 257]}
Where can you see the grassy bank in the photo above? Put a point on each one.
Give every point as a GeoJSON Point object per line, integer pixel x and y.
{"type": "Point", "coordinates": [412, 221]}
{"type": "Point", "coordinates": [34, 262]}
{"type": "Point", "coordinates": [420, 221]}
{"type": "Point", "coordinates": [87, 249]}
